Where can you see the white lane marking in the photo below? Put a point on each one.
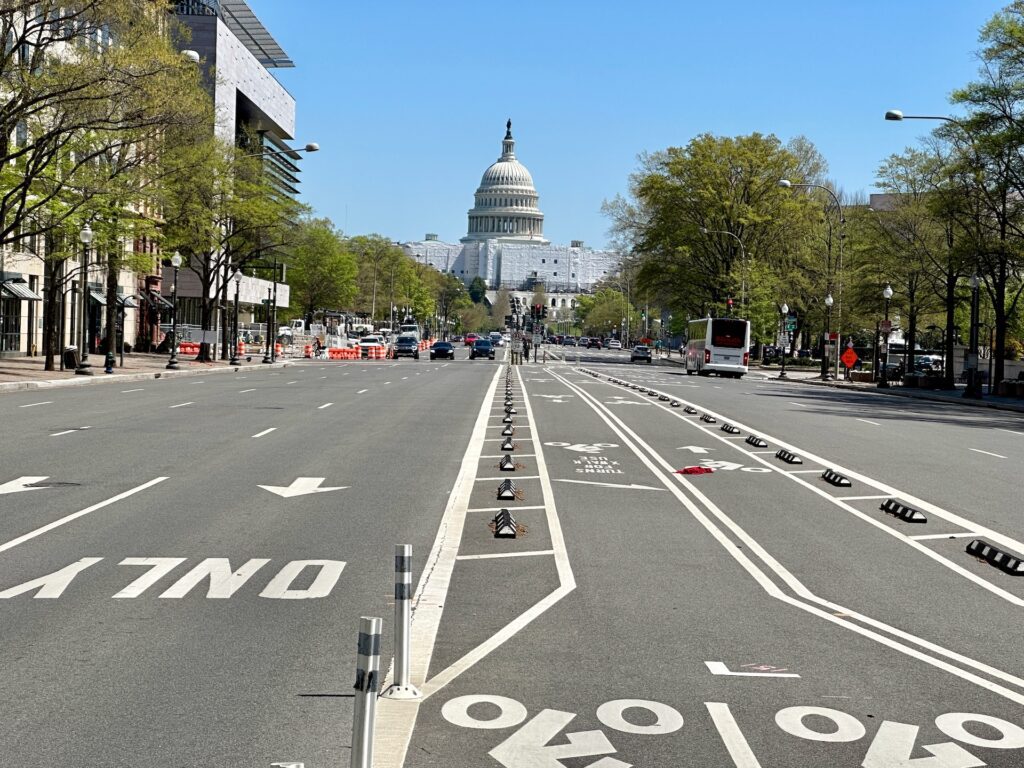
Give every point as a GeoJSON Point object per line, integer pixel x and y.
{"type": "Point", "coordinates": [404, 378]}
{"type": "Point", "coordinates": [801, 471]}
{"type": "Point", "coordinates": [394, 720]}
{"type": "Point", "coordinates": [498, 509]}
{"type": "Point", "coordinates": [513, 455]}
{"type": "Point", "coordinates": [33, 405]}
{"type": "Point", "coordinates": [292, 382]}
{"type": "Point", "coordinates": [325, 405]}
{"type": "Point", "coordinates": [609, 485]}
{"type": "Point", "coordinates": [927, 536]}
{"type": "Point", "coordinates": [126, 391]}
{"type": "Point", "coordinates": [1010, 431]}
{"type": "Point", "coordinates": [361, 391]}
{"type": "Point", "coordinates": [732, 737]}
{"type": "Point", "coordinates": [872, 423]}
{"type": "Point", "coordinates": [75, 515]}
{"type": "Point", "coordinates": [719, 668]}
{"type": "Point", "coordinates": [387, 382]}
{"type": "Point", "coordinates": [265, 432]}
{"type": "Point", "coordinates": [798, 405]}
{"type": "Point", "coordinates": [987, 453]}
{"type": "Point", "coordinates": [566, 579]}
{"type": "Point", "coordinates": [509, 476]}
{"type": "Point", "coordinates": [828, 610]}
{"type": "Point", "coordinates": [496, 555]}
{"type": "Point", "coordinates": [860, 498]}
{"type": "Point", "coordinates": [69, 431]}
{"type": "Point", "coordinates": [243, 391]}
{"type": "Point", "coordinates": [182, 405]}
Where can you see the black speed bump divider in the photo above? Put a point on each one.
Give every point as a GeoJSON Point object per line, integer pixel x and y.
{"type": "Point", "coordinates": [507, 419]}
{"type": "Point", "coordinates": [652, 393]}
{"type": "Point", "coordinates": [994, 556]}
{"type": "Point", "coordinates": [508, 445]}
{"type": "Point", "coordinates": [510, 410]}
{"type": "Point", "coordinates": [508, 431]}
{"type": "Point", "coordinates": [730, 429]}
{"type": "Point", "coordinates": [663, 398]}
{"type": "Point", "coordinates": [903, 512]}
{"type": "Point", "coordinates": [708, 419]}
{"type": "Point", "coordinates": [507, 464]}
{"type": "Point", "coordinates": [690, 409]}
{"type": "Point", "coordinates": [507, 491]}
{"type": "Point", "coordinates": [675, 403]}
{"type": "Point", "coordinates": [757, 442]}
{"type": "Point", "coordinates": [789, 458]}
{"type": "Point", "coordinates": [833, 477]}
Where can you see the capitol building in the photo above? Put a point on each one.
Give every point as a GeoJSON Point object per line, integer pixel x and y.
{"type": "Point", "coordinates": [505, 243]}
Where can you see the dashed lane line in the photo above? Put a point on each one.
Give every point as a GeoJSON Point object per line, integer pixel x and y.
{"type": "Point", "coordinates": [987, 453]}
{"type": "Point", "coordinates": [265, 432]}
{"type": "Point", "coordinates": [181, 405]}
{"type": "Point", "coordinates": [325, 405]}
{"type": "Point", "coordinates": [497, 555]}
{"type": "Point", "coordinates": [33, 405]}
{"type": "Point", "coordinates": [868, 421]}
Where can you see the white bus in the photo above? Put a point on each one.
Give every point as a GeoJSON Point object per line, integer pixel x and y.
{"type": "Point", "coordinates": [718, 345]}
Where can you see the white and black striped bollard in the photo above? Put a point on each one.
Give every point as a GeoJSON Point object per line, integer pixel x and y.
{"type": "Point", "coordinates": [402, 688]}
{"type": "Point", "coordinates": [367, 683]}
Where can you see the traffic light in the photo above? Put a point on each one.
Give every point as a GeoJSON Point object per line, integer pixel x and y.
{"type": "Point", "coordinates": [544, 313]}
{"type": "Point", "coordinates": [730, 306]}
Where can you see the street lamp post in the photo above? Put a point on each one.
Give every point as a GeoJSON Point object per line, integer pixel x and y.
{"type": "Point", "coordinates": [787, 184]}
{"type": "Point", "coordinates": [784, 310]}
{"type": "Point", "coordinates": [266, 357]}
{"type": "Point", "coordinates": [825, 339]}
{"type": "Point", "coordinates": [973, 389]}
{"type": "Point", "coordinates": [85, 238]}
{"type": "Point", "coordinates": [172, 364]}
{"type": "Point", "coordinates": [234, 341]}
{"type": "Point", "coordinates": [743, 273]}
{"type": "Point", "coordinates": [884, 382]}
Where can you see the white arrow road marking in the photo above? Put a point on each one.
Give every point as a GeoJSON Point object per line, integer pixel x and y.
{"type": "Point", "coordinates": [302, 486]}
{"type": "Point", "coordinates": [22, 484]}
{"type": "Point", "coordinates": [694, 449]}
{"type": "Point", "coordinates": [719, 668]}
{"type": "Point", "coordinates": [554, 397]}
{"type": "Point", "coordinates": [528, 747]}
{"type": "Point", "coordinates": [609, 485]}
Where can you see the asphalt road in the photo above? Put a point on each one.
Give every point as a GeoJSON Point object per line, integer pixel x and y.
{"type": "Point", "coordinates": [756, 616]}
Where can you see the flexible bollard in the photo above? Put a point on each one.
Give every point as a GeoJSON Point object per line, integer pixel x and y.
{"type": "Point", "coordinates": [402, 688]}
{"type": "Point", "coordinates": [367, 673]}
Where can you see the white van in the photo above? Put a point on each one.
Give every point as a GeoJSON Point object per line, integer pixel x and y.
{"type": "Point", "coordinates": [410, 329]}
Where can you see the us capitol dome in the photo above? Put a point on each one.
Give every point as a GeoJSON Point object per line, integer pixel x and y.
{"type": "Point", "coordinates": [505, 203]}
{"type": "Point", "coordinates": [505, 246]}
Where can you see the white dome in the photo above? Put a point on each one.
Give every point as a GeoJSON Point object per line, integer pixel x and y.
{"type": "Point", "coordinates": [506, 173]}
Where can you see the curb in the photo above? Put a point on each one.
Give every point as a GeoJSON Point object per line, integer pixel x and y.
{"type": "Point", "coordinates": [85, 381]}
{"type": "Point", "coordinates": [931, 398]}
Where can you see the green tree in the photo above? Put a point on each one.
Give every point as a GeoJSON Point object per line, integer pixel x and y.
{"type": "Point", "coordinates": [322, 271]}
{"type": "Point", "coordinates": [477, 289]}
{"type": "Point", "coordinates": [501, 308]}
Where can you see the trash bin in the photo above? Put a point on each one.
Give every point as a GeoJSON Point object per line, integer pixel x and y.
{"type": "Point", "coordinates": [70, 357]}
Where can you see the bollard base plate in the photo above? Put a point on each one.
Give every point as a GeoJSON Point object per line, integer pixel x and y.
{"type": "Point", "coordinates": [402, 692]}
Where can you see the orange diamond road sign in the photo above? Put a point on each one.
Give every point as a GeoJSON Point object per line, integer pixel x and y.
{"type": "Point", "coordinates": [849, 358]}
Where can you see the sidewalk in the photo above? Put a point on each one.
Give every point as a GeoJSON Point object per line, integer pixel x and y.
{"type": "Point", "coordinates": [24, 373]}
{"type": "Point", "coordinates": [953, 397]}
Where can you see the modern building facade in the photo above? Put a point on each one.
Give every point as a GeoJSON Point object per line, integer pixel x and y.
{"type": "Point", "coordinates": [505, 244]}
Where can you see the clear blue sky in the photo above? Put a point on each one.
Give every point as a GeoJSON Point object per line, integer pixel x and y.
{"type": "Point", "coordinates": [409, 99]}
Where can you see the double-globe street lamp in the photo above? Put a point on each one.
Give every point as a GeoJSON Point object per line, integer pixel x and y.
{"type": "Point", "coordinates": [787, 184]}
{"type": "Point", "coordinates": [85, 238]}
{"type": "Point", "coordinates": [884, 381]}
{"type": "Point", "coordinates": [829, 301]}
{"type": "Point", "coordinates": [973, 389]}
{"type": "Point", "coordinates": [172, 364]}
{"type": "Point", "coordinates": [234, 340]}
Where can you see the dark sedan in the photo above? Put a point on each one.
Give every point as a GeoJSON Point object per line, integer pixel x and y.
{"type": "Point", "coordinates": [482, 348]}
{"type": "Point", "coordinates": [442, 349]}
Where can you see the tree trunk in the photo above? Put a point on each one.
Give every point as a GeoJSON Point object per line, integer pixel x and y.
{"type": "Point", "coordinates": [111, 309]}
{"type": "Point", "coordinates": [999, 302]}
{"type": "Point", "coordinates": [949, 364]}
{"type": "Point", "coordinates": [53, 275]}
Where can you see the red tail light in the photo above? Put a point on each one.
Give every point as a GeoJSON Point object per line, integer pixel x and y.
{"type": "Point", "coordinates": [707, 355]}
{"type": "Point", "coordinates": [746, 358]}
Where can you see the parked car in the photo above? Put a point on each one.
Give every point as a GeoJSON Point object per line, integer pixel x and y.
{"type": "Point", "coordinates": [407, 346]}
{"type": "Point", "coordinates": [584, 341]}
{"type": "Point", "coordinates": [442, 349]}
{"type": "Point", "coordinates": [614, 344]}
{"type": "Point", "coordinates": [482, 348]}
{"type": "Point", "coordinates": [640, 352]}
{"type": "Point", "coordinates": [456, 339]}
{"type": "Point", "coordinates": [470, 338]}
{"type": "Point", "coordinates": [594, 343]}
{"type": "Point", "coordinates": [568, 341]}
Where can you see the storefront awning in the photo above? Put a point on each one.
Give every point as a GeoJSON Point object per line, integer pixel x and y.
{"type": "Point", "coordinates": [127, 302]}
{"type": "Point", "coordinates": [98, 297]}
{"type": "Point", "coordinates": [159, 301]}
{"type": "Point", "coordinates": [19, 291]}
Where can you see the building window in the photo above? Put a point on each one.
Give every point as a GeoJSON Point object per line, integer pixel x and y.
{"type": "Point", "coordinates": [574, 274]}
{"type": "Point", "coordinates": [543, 261]}
{"type": "Point", "coordinates": [556, 261]}
{"type": "Point", "coordinates": [556, 274]}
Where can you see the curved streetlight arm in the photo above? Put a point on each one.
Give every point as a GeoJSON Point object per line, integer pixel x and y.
{"type": "Point", "coordinates": [311, 147]}
{"type": "Point", "coordinates": [743, 252]}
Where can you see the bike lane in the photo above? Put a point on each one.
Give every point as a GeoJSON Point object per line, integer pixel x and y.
{"type": "Point", "coordinates": [674, 645]}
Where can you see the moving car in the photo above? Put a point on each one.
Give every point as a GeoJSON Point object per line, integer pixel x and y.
{"type": "Point", "coordinates": [482, 348]}
{"type": "Point", "coordinates": [496, 339]}
{"type": "Point", "coordinates": [640, 352]}
{"type": "Point", "coordinates": [366, 342]}
{"type": "Point", "coordinates": [442, 349]}
{"type": "Point", "coordinates": [614, 344]}
{"type": "Point", "coordinates": [407, 346]}
{"type": "Point", "coordinates": [457, 338]}
{"type": "Point", "coordinates": [594, 343]}
{"type": "Point", "coordinates": [568, 341]}
{"type": "Point", "coordinates": [470, 338]}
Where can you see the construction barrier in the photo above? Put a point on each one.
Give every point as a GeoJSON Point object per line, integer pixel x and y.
{"type": "Point", "coordinates": [307, 351]}
{"type": "Point", "coordinates": [278, 351]}
{"type": "Point", "coordinates": [241, 348]}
